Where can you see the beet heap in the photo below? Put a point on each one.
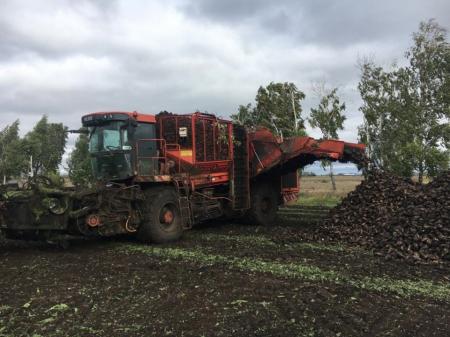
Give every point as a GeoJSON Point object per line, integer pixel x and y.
{"type": "Point", "coordinates": [395, 217]}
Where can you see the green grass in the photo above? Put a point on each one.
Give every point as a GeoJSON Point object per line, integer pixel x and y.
{"type": "Point", "coordinates": [247, 264]}
{"type": "Point", "coordinates": [326, 200]}
{"type": "Point", "coordinates": [261, 241]}
{"type": "Point", "coordinates": [402, 288]}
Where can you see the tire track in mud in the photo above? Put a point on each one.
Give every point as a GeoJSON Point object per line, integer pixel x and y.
{"type": "Point", "coordinates": [353, 261]}
{"type": "Point", "coordinates": [403, 288]}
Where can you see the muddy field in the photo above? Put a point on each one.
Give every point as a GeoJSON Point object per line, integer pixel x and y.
{"type": "Point", "coordinates": [221, 280]}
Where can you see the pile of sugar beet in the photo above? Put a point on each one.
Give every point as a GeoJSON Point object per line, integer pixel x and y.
{"type": "Point", "coordinates": [395, 217]}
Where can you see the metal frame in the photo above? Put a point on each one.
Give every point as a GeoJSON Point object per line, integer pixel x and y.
{"type": "Point", "coordinates": [161, 157]}
{"type": "Point", "coordinates": [204, 164]}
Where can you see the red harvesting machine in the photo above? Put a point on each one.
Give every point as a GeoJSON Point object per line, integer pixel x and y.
{"type": "Point", "coordinates": [160, 175]}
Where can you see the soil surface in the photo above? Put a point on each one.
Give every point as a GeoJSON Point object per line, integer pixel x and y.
{"type": "Point", "coordinates": [221, 279]}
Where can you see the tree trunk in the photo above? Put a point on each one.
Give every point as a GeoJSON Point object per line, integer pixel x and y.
{"type": "Point", "coordinates": [332, 177]}
{"type": "Point", "coordinates": [420, 174]}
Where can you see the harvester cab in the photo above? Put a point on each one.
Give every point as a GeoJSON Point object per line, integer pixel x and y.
{"type": "Point", "coordinates": [114, 138]}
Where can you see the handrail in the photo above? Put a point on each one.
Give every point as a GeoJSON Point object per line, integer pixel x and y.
{"type": "Point", "coordinates": [160, 158]}
{"type": "Point", "coordinates": [177, 148]}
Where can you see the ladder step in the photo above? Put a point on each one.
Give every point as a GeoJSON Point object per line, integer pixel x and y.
{"type": "Point", "coordinates": [184, 204]}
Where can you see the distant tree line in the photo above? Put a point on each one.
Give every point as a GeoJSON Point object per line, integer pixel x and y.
{"type": "Point", "coordinates": [39, 152]}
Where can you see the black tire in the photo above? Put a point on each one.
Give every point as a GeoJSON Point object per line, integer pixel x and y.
{"type": "Point", "coordinates": [162, 220]}
{"type": "Point", "coordinates": [264, 205]}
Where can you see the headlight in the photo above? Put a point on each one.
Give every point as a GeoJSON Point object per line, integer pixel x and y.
{"type": "Point", "coordinates": [56, 206]}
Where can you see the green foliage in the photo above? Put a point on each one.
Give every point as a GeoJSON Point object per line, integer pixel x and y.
{"type": "Point", "coordinates": [329, 118]}
{"type": "Point", "coordinates": [265, 242]}
{"type": "Point", "coordinates": [79, 163]}
{"type": "Point", "coordinates": [275, 105]}
{"type": "Point", "coordinates": [46, 143]}
{"type": "Point", "coordinates": [55, 180]}
{"type": "Point", "coordinates": [277, 108]}
{"type": "Point", "coordinates": [407, 109]}
{"type": "Point", "coordinates": [329, 115]}
{"type": "Point", "coordinates": [59, 308]}
{"type": "Point", "coordinates": [401, 287]}
{"type": "Point", "coordinates": [299, 133]}
{"type": "Point", "coordinates": [245, 115]}
{"type": "Point", "coordinates": [12, 158]}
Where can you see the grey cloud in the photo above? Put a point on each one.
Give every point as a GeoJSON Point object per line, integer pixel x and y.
{"type": "Point", "coordinates": [186, 55]}
{"type": "Point", "coordinates": [324, 22]}
{"type": "Point", "coordinates": [20, 36]}
{"type": "Point", "coordinates": [232, 11]}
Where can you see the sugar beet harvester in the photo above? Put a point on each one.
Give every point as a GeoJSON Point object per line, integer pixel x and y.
{"type": "Point", "coordinates": [160, 175]}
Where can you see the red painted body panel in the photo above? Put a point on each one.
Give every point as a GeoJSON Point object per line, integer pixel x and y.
{"type": "Point", "coordinates": [267, 152]}
{"type": "Point", "coordinates": [140, 117]}
{"type": "Point", "coordinates": [188, 156]}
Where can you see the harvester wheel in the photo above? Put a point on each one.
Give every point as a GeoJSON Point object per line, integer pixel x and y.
{"type": "Point", "coordinates": [264, 205]}
{"type": "Point", "coordinates": [161, 217]}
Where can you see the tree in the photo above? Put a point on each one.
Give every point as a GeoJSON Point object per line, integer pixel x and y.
{"type": "Point", "coordinates": [12, 159]}
{"type": "Point", "coordinates": [45, 145]}
{"type": "Point", "coordinates": [429, 65]}
{"type": "Point", "coordinates": [329, 118]}
{"type": "Point", "coordinates": [407, 109]}
{"type": "Point", "coordinates": [376, 90]}
{"type": "Point", "coordinates": [80, 171]}
{"type": "Point", "coordinates": [245, 115]}
{"type": "Point", "coordinates": [277, 107]}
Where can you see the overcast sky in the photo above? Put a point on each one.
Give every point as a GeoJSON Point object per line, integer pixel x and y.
{"type": "Point", "coordinates": [65, 58]}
